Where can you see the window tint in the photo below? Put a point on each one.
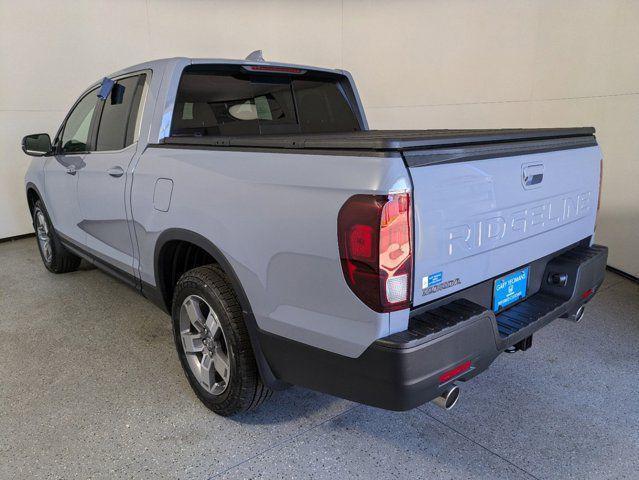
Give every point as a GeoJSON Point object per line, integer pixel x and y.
{"type": "Point", "coordinates": [321, 107]}
{"type": "Point", "coordinates": [75, 135]}
{"type": "Point", "coordinates": [119, 115]}
{"type": "Point", "coordinates": [233, 102]}
{"type": "Point", "coordinates": [210, 104]}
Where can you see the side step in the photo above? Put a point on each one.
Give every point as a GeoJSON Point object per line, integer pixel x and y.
{"type": "Point", "coordinates": [569, 281]}
{"type": "Point", "coordinates": [525, 313]}
{"type": "Point", "coordinates": [573, 277]}
{"type": "Point", "coordinates": [432, 323]}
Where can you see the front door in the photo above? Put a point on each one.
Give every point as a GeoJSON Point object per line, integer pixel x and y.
{"type": "Point", "coordinates": [105, 177]}
{"type": "Point", "coordinates": [61, 170]}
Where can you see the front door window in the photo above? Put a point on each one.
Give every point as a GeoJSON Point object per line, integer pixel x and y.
{"type": "Point", "coordinates": [75, 136]}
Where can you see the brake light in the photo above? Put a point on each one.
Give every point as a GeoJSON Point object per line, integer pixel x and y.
{"type": "Point", "coordinates": [273, 69]}
{"type": "Point", "coordinates": [375, 245]}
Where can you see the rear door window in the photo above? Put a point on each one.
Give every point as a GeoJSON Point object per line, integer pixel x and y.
{"type": "Point", "coordinates": [229, 102]}
{"type": "Point", "coordinates": [117, 124]}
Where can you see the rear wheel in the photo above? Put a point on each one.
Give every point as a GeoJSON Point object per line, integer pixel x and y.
{"type": "Point", "coordinates": [54, 255]}
{"type": "Point", "coordinates": [213, 344]}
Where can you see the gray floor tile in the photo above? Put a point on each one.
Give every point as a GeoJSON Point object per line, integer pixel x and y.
{"type": "Point", "coordinates": [611, 279]}
{"type": "Point", "coordinates": [368, 443]}
{"type": "Point", "coordinates": [569, 407]}
{"type": "Point", "coordinates": [91, 387]}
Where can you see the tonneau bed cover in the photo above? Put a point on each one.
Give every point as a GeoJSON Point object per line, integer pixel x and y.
{"type": "Point", "coordinates": [388, 140]}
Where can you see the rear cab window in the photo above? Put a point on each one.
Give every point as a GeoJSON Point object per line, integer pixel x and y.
{"type": "Point", "coordinates": [228, 100]}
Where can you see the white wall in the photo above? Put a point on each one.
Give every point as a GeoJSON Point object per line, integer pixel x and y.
{"type": "Point", "coordinates": [431, 64]}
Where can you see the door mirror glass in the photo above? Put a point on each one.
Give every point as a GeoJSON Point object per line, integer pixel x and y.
{"type": "Point", "coordinates": [37, 145]}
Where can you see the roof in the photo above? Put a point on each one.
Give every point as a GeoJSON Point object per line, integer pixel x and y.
{"type": "Point", "coordinates": [163, 62]}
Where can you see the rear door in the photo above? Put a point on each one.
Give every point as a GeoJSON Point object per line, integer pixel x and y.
{"type": "Point", "coordinates": [477, 219]}
{"type": "Point", "coordinates": [103, 182]}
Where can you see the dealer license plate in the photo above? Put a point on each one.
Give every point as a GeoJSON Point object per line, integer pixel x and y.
{"type": "Point", "coordinates": [510, 289]}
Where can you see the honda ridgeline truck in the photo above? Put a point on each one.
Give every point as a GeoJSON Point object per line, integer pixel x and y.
{"type": "Point", "coordinates": [292, 245]}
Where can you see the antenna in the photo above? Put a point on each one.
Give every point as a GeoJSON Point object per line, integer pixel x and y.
{"type": "Point", "coordinates": [255, 56]}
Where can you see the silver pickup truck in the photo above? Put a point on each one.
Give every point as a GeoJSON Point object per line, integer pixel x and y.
{"type": "Point", "coordinates": [293, 245]}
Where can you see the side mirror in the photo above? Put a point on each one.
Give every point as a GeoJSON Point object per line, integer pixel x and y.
{"type": "Point", "coordinates": [37, 145]}
{"type": "Point", "coordinates": [105, 88]}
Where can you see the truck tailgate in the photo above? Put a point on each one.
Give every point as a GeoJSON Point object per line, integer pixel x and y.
{"type": "Point", "coordinates": [485, 210]}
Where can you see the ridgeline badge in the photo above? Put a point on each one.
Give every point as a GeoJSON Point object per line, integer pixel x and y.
{"type": "Point", "coordinates": [434, 283]}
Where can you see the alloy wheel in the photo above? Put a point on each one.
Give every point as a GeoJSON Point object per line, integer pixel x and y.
{"type": "Point", "coordinates": [204, 344]}
{"type": "Point", "coordinates": [44, 239]}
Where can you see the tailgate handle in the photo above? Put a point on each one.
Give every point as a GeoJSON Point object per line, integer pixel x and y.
{"type": "Point", "coordinates": [532, 175]}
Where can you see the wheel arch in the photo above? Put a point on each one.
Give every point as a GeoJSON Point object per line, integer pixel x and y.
{"type": "Point", "coordinates": [168, 237]}
{"type": "Point", "coordinates": [33, 194]}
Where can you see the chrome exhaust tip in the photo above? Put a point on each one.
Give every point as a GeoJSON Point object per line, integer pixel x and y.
{"type": "Point", "coordinates": [448, 399]}
{"type": "Point", "coordinates": [578, 315]}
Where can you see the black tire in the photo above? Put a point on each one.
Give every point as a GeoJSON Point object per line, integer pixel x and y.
{"type": "Point", "coordinates": [60, 259]}
{"type": "Point", "coordinates": [244, 389]}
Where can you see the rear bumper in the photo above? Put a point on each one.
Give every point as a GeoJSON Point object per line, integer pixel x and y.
{"type": "Point", "coordinates": [403, 370]}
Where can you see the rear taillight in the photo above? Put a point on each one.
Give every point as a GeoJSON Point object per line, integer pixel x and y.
{"type": "Point", "coordinates": [375, 245]}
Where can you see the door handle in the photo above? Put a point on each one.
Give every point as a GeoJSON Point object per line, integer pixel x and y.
{"type": "Point", "coordinates": [71, 170]}
{"type": "Point", "coordinates": [532, 175]}
{"type": "Point", "coordinates": [115, 171]}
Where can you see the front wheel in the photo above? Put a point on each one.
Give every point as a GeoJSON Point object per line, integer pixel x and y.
{"type": "Point", "coordinates": [213, 343]}
{"type": "Point", "coordinates": [55, 256]}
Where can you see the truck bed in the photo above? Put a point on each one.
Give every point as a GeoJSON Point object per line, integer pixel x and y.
{"type": "Point", "coordinates": [473, 221]}
{"type": "Point", "coordinates": [392, 140]}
